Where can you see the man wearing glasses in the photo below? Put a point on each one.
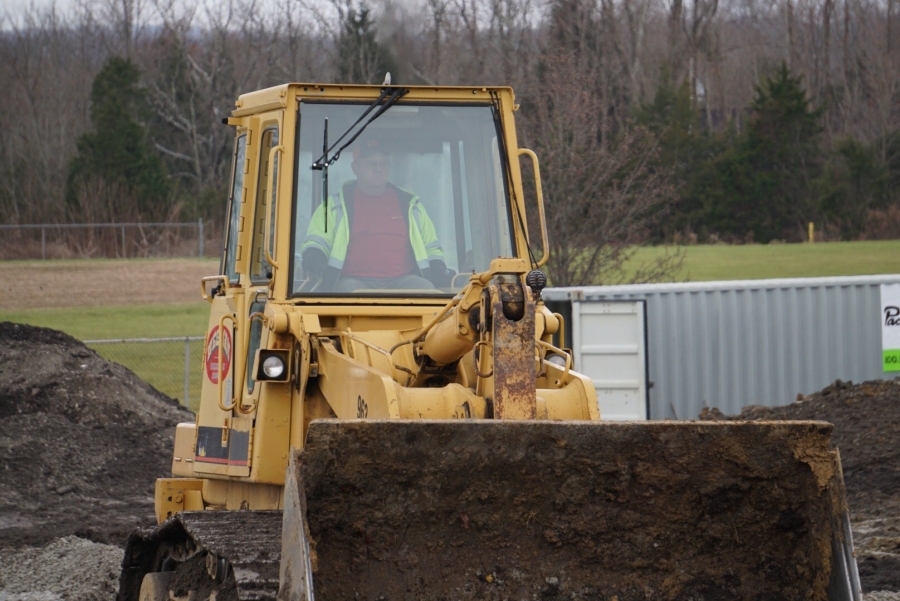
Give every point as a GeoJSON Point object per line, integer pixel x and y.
{"type": "Point", "coordinates": [379, 236]}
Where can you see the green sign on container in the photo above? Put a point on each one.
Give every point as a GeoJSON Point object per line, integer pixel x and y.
{"type": "Point", "coordinates": [890, 326]}
{"type": "Point", "coordinates": [892, 360]}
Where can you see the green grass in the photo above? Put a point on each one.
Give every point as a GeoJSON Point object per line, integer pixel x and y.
{"type": "Point", "coordinates": [766, 261]}
{"type": "Point", "coordinates": [102, 323]}
{"type": "Point", "coordinates": [162, 365]}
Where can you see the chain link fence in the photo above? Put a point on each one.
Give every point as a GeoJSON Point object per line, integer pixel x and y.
{"type": "Point", "coordinates": [174, 366]}
{"type": "Point", "coordinates": [110, 240]}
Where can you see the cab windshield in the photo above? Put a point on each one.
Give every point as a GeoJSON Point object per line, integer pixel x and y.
{"type": "Point", "coordinates": [415, 204]}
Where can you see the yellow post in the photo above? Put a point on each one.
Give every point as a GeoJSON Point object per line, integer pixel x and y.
{"type": "Point", "coordinates": [812, 231]}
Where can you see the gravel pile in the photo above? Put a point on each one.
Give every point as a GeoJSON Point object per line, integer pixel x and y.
{"type": "Point", "coordinates": [67, 568]}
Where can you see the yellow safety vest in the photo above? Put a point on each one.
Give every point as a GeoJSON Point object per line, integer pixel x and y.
{"type": "Point", "coordinates": [334, 242]}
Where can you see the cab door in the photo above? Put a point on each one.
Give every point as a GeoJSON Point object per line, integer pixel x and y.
{"type": "Point", "coordinates": [219, 429]}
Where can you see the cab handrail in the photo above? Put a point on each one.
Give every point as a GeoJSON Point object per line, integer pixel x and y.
{"type": "Point", "coordinates": [545, 239]}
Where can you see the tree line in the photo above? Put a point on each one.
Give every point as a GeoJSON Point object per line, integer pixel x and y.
{"type": "Point", "coordinates": [655, 120]}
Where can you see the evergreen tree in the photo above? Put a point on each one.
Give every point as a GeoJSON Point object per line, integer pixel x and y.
{"type": "Point", "coordinates": [117, 151]}
{"type": "Point", "coordinates": [361, 58]}
{"type": "Point", "coordinates": [782, 149]}
{"type": "Point", "coordinates": [573, 27]}
{"type": "Point", "coordinates": [763, 186]}
{"type": "Point", "coordinates": [672, 116]}
{"type": "Point", "coordinates": [852, 183]}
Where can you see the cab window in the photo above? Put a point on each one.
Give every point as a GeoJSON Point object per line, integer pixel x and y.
{"type": "Point", "coordinates": [239, 170]}
{"type": "Point", "coordinates": [423, 188]}
{"type": "Point", "coordinates": [260, 268]}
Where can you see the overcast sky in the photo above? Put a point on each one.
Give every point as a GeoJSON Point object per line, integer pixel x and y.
{"type": "Point", "coordinates": [15, 8]}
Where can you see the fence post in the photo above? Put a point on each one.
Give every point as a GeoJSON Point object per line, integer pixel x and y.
{"type": "Point", "coordinates": [200, 226]}
{"type": "Point", "coordinates": [43, 243]}
{"type": "Point", "coordinates": [124, 252]}
{"type": "Point", "coordinates": [187, 370]}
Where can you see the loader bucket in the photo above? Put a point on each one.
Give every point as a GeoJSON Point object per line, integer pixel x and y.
{"type": "Point", "coordinates": [490, 509]}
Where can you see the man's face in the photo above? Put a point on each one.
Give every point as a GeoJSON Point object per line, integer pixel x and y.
{"type": "Point", "coordinates": [372, 171]}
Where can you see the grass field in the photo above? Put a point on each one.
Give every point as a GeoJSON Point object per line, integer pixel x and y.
{"type": "Point", "coordinates": [101, 299]}
{"type": "Point", "coordinates": [159, 298]}
{"type": "Point", "coordinates": [766, 261]}
{"type": "Point", "coordinates": [163, 365]}
{"type": "Point", "coordinates": [134, 321]}
{"type": "Point", "coordinates": [101, 282]}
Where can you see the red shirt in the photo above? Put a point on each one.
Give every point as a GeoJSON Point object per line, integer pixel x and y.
{"type": "Point", "coordinates": [379, 238]}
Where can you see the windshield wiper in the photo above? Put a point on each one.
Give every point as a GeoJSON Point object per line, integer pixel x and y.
{"type": "Point", "coordinates": [325, 150]}
{"type": "Point", "coordinates": [323, 162]}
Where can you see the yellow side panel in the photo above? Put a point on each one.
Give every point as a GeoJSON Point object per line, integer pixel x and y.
{"type": "Point", "coordinates": [183, 457]}
{"type": "Point", "coordinates": [272, 433]}
{"type": "Point", "coordinates": [170, 496]}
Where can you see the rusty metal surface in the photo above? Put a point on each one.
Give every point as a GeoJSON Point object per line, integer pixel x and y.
{"type": "Point", "coordinates": [493, 509]}
{"type": "Point", "coordinates": [513, 352]}
{"type": "Point", "coordinates": [249, 540]}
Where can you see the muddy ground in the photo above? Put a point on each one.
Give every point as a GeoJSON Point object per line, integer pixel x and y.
{"type": "Point", "coordinates": [82, 440]}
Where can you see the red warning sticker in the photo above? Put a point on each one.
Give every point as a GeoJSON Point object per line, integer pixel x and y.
{"type": "Point", "coordinates": [212, 354]}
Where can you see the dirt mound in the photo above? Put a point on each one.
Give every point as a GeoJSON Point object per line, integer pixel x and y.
{"type": "Point", "coordinates": [81, 441]}
{"type": "Point", "coordinates": [866, 420]}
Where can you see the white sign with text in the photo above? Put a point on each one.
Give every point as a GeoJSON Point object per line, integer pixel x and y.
{"type": "Point", "coordinates": [890, 326]}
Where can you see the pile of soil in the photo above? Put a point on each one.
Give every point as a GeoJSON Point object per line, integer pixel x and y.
{"type": "Point", "coordinates": [82, 441]}
{"type": "Point", "coordinates": [866, 420]}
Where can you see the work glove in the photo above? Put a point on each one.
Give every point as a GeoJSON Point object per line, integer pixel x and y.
{"type": "Point", "coordinates": [439, 275]}
{"type": "Point", "coordinates": [314, 262]}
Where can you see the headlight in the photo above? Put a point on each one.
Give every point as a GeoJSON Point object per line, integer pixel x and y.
{"type": "Point", "coordinates": [273, 367]}
{"type": "Point", "coordinates": [556, 360]}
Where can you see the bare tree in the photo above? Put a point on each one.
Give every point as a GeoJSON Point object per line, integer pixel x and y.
{"type": "Point", "coordinates": [47, 62]}
{"type": "Point", "coordinates": [118, 24]}
{"type": "Point", "coordinates": [197, 57]}
{"type": "Point", "coordinates": [600, 202]}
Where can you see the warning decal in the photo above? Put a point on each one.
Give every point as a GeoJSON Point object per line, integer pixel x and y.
{"type": "Point", "coordinates": [212, 354]}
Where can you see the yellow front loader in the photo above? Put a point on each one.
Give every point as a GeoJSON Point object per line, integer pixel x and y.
{"type": "Point", "coordinates": [389, 411]}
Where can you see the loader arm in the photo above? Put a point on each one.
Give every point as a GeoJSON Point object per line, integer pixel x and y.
{"type": "Point", "coordinates": [480, 356]}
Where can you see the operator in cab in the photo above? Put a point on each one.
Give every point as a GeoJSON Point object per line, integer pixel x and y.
{"type": "Point", "coordinates": [378, 235]}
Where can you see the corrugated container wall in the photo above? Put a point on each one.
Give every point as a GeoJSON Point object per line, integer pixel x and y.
{"type": "Point", "coordinates": [763, 342]}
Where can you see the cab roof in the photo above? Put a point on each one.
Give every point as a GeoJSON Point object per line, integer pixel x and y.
{"type": "Point", "coordinates": [280, 96]}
